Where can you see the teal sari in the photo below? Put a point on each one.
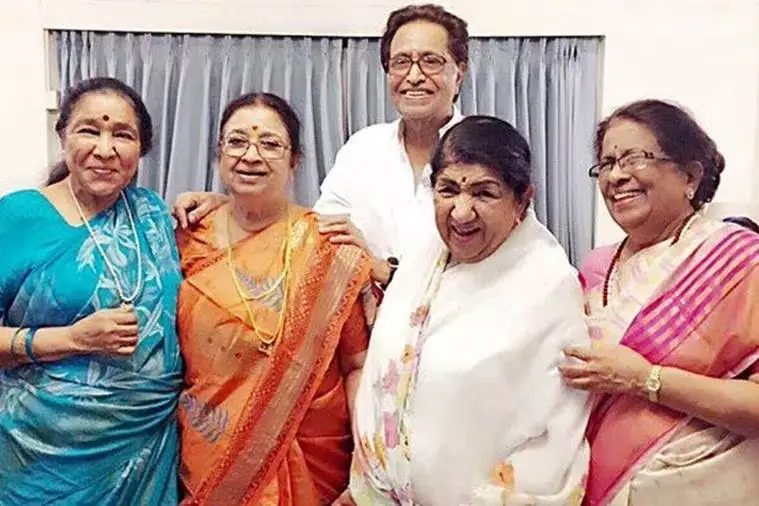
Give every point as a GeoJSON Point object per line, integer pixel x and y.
{"type": "Point", "coordinates": [89, 430]}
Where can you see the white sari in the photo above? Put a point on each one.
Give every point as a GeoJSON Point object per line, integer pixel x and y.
{"type": "Point", "coordinates": [462, 403]}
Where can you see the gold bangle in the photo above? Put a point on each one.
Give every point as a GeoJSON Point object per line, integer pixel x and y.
{"type": "Point", "coordinates": [12, 350]}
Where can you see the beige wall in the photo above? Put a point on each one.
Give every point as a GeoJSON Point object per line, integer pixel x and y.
{"type": "Point", "coordinates": [23, 128]}
{"type": "Point", "coordinates": [702, 53]}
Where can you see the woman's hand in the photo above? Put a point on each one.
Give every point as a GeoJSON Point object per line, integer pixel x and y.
{"type": "Point", "coordinates": [106, 332]}
{"type": "Point", "coordinates": [732, 404]}
{"type": "Point", "coordinates": [345, 499]}
{"type": "Point", "coordinates": [341, 230]}
{"type": "Point", "coordinates": [191, 207]}
{"type": "Point", "coordinates": [611, 369]}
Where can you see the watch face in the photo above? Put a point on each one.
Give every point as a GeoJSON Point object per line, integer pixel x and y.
{"type": "Point", "coordinates": [653, 384]}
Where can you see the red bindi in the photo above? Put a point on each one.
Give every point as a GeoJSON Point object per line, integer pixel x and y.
{"type": "Point", "coordinates": [106, 117]}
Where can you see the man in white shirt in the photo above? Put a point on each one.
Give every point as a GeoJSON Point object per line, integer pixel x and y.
{"type": "Point", "coordinates": [374, 186]}
{"type": "Point", "coordinates": [380, 179]}
{"type": "Point", "coordinates": [378, 193]}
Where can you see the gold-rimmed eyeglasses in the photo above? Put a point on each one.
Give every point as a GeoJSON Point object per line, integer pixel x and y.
{"type": "Point", "coordinates": [269, 148]}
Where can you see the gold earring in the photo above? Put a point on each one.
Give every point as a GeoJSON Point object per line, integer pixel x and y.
{"type": "Point", "coordinates": [690, 194]}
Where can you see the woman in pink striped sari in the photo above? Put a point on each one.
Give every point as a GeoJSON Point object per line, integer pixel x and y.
{"type": "Point", "coordinates": [675, 323]}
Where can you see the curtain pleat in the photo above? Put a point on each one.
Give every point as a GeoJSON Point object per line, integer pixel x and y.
{"type": "Point", "coordinates": [546, 87]}
{"type": "Point", "coordinates": [187, 80]}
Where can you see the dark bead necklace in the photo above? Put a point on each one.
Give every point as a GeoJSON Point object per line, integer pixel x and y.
{"type": "Point", "coordinates": [618, 253]}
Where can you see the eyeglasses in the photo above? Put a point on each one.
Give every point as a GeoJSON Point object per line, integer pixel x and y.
{"type": "Point", "coordinates": [628, 163]}
{"type": "Point", "coordinates": [269, 148]}
{"type": "Point", "coordinates": [429, 63]}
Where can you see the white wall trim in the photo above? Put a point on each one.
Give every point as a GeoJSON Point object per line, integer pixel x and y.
{"type": "Point", "coordinates": [315, 17]}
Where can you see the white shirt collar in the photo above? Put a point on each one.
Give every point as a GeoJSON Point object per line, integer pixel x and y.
{"type": "Point", "coordinates": [427, 171]}
{"type": "Point", "coordinates": [455, 118]}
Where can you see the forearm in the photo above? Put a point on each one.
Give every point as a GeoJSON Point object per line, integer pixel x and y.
{"type": "Point", "coordinates": [352, 381]}
{"type": "Point", "coordinates": [730, 404]}
{"type": "Point", "coordinates": [49, 344]}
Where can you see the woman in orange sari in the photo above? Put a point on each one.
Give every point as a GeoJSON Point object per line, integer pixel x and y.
{"type": "Point", "coordinates": [675, 321]}
{"type": "Point", "coordinates": [272, 327]}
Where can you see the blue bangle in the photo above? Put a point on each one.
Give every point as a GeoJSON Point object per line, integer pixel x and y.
{"type": "Point", "coordinates": [13, 343]}
{"type": "Point", "coordinates": [28, 341]}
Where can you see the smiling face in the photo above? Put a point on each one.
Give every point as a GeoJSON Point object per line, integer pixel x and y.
{"type": "Point", "coordinates": [417, 95]}
{"type": "Point", "coordinates": [255, 159]}
{"type": "Point", "coordinates": [101, 143]}
{"type": "Point", "coordinates": [475, 212]}
{"type": "Point", "coordinates": [647, 196]}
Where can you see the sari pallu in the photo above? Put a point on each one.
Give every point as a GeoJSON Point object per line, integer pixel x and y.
{"type": "Point", "coordinates": [699, 315]}
{"type": "Point", "coordinates": [89, 429]}
{"type": "Point", "coordinates": [460, 402]}
{"type": "Point", "coordinates": [269, 430]}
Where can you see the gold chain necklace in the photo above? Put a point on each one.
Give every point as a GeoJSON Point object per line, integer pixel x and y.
{"type": "Point", "coordinates": [266, 343]}
{"type": "Point", "coordinates": [126, 301]}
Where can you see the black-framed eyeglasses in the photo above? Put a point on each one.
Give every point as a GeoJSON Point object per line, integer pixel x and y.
{"type": "Point", "coordinates": [429, 63]}
{"type": "Point", "coordinates": [269, 148]}
{"type": "Point", "coordinates": [629, 162]}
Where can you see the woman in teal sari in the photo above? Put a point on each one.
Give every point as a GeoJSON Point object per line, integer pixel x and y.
{"type": "Point", "coordinates": [90, 369]}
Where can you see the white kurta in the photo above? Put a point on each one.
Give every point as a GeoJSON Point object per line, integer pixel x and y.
{"type": "Point", "coordinates": [372, 181]}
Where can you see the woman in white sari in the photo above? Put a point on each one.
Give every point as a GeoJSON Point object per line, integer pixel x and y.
{"type": "Point", "coordinates": [460, 401]}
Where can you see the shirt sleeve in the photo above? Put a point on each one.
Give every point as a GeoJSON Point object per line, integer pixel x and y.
{"type": "Point", "coordinates": [594, 266]}
{"type": "Point", "coordinates": [337, 196]}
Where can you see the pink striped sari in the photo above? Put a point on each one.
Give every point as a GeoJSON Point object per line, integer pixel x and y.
{"type": "Point", "coordinates": [697, 310]}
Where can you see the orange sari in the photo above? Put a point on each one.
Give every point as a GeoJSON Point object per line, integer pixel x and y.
{"type": "Point", "coordinates": [258, 429]}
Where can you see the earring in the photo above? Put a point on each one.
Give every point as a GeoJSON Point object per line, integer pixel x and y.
{"type": "Point", "coordinates": [690, 194]}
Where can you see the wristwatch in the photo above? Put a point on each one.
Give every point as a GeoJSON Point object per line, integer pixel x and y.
{"type": "Point", "coordinates": [653, 383]}
{"type": "Point", "coordinates": [392, 263]}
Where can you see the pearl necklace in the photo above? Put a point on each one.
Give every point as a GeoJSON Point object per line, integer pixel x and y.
{"type": "Point", "coordinates": [126, 301]}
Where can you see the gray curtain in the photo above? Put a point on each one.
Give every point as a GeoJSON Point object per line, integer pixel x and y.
{"type": "Point", "coordinates": [367, 98]}
{"type": "Point", "coordinates": [546, 87]}
{"type": "Point", "coordinates": [186, 80]}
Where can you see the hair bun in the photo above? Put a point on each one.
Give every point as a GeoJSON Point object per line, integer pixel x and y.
{"type": "Point", "coordinates": [717, 162]}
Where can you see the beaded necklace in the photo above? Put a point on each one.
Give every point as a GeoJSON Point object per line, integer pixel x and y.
{"type": "Point", "coordinates": [126, 300]}
{"type": "Point", "coordinates": [618, 253]}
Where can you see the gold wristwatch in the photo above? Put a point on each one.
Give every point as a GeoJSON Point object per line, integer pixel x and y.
{"type": "Point", "coordinates": [653, 383]}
